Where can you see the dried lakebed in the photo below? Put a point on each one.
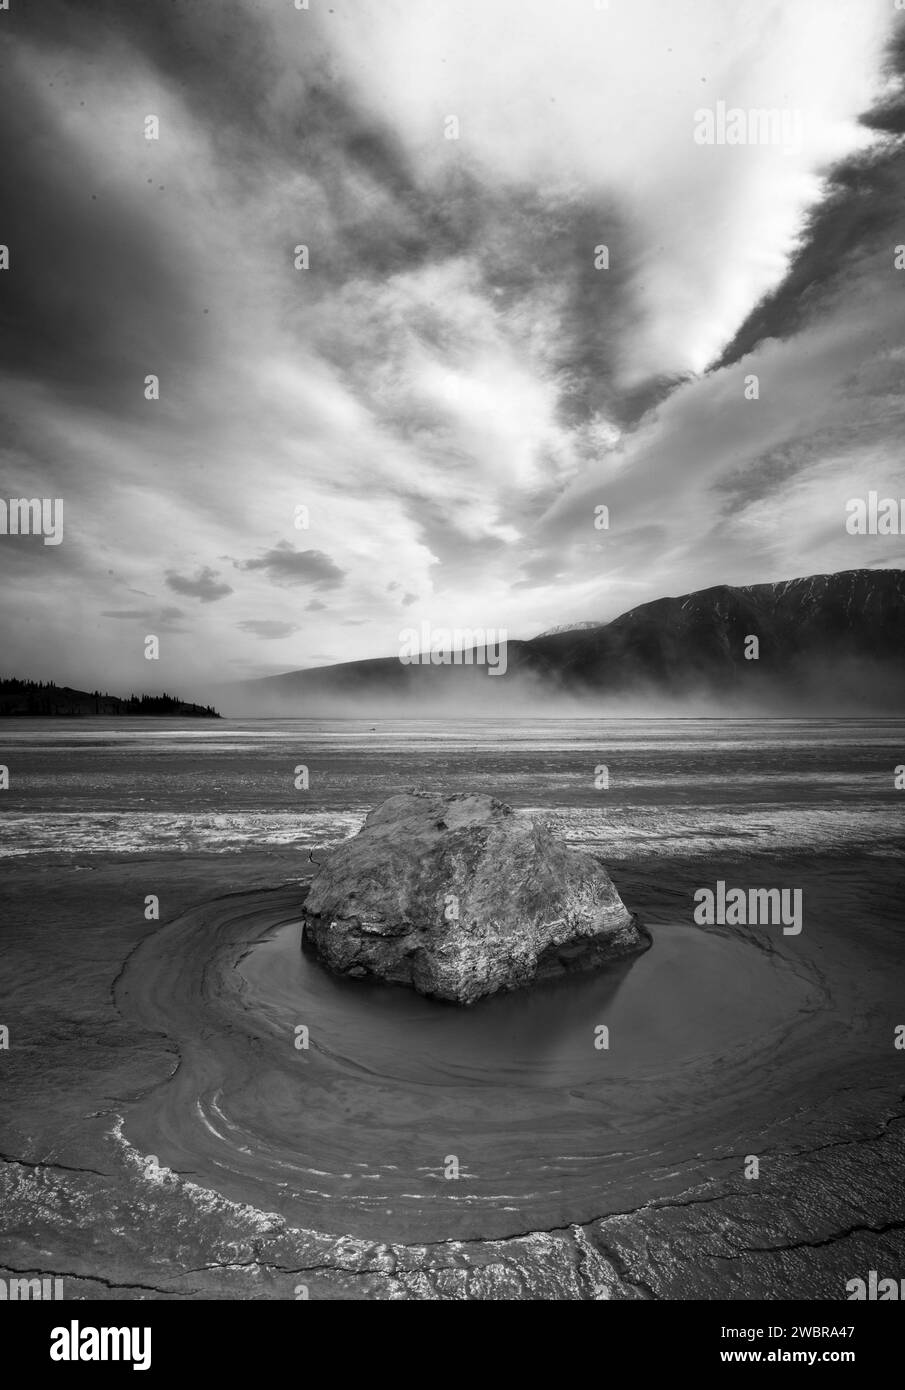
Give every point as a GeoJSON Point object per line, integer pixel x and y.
{"type": "Point", "coordinates": [359, 1126]}
{"type": "Point", "coordinates": [195, 1151]}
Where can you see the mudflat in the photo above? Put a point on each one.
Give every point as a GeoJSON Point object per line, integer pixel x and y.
{"type": "Point", "coordinates": [192, 1107]}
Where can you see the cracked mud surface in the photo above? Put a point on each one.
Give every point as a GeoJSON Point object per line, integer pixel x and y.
{"type": "Point", "coordinates": [118, 1175]}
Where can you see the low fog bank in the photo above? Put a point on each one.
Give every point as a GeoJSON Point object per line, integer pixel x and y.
{"type": "Point", "coordinates": [822, 645]}
{"type": "Point", "coordinates": [845, 688]}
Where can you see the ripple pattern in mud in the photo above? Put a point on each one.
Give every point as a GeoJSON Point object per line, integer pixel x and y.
{"type": "Point", "coordinates": [357, 1131]}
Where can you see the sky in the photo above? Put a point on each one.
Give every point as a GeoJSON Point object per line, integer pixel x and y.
{"type": "Point", "coordinates": [421, 424]}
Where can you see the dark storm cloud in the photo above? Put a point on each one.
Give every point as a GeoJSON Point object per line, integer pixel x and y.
{"type": "Point", "coordinates": [286, 565]}
{"type": "Point", "coordinates": [99, 292]}
{"type": "Point", "coordinates": [86, 268]}
{"type": "Point", "coordinates": [222, 57]}
{"type": "Point", "coordinates": [205, 585]}
{"type": "Point", "coordinates": [452, 362]}
{"type": "Point", "coordinates": [98, 297]}
{"type": "Point", "coordinates": [860, 214]}
{"type": "Point", "coordinates": [101, 297]}
{"type": "Point", "coordinates": [889, 115]}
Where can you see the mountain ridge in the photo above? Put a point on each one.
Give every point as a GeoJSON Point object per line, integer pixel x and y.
{"type": "Point", "coordinates": [816, 635]}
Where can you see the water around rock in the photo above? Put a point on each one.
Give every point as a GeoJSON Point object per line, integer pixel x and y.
{"type": "Point", "coordinates": [460, 897]}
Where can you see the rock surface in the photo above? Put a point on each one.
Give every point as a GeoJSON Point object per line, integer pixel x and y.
{"type": "Point", "coordinates": [459, 897]}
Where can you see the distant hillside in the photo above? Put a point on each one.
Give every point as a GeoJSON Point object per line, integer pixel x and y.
{"type": "Point", "coordinates": [848, 627]}
{"type": "Point", "coordinates": [43, 698]}
{"type": "Point", "coordinates": [827, 643]}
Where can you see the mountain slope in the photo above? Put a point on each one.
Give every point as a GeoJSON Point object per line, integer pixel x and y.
{"type": "Point", "coordinates": [832, 642]}
{"type": "Point", "coordinates": [802, 625]}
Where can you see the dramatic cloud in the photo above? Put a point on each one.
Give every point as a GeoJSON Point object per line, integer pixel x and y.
{"type": "Point", "coordinates": [404, 291]}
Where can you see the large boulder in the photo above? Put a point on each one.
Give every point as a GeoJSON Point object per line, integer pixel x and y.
{"type": "Point", "coordinates": [459, 897]}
